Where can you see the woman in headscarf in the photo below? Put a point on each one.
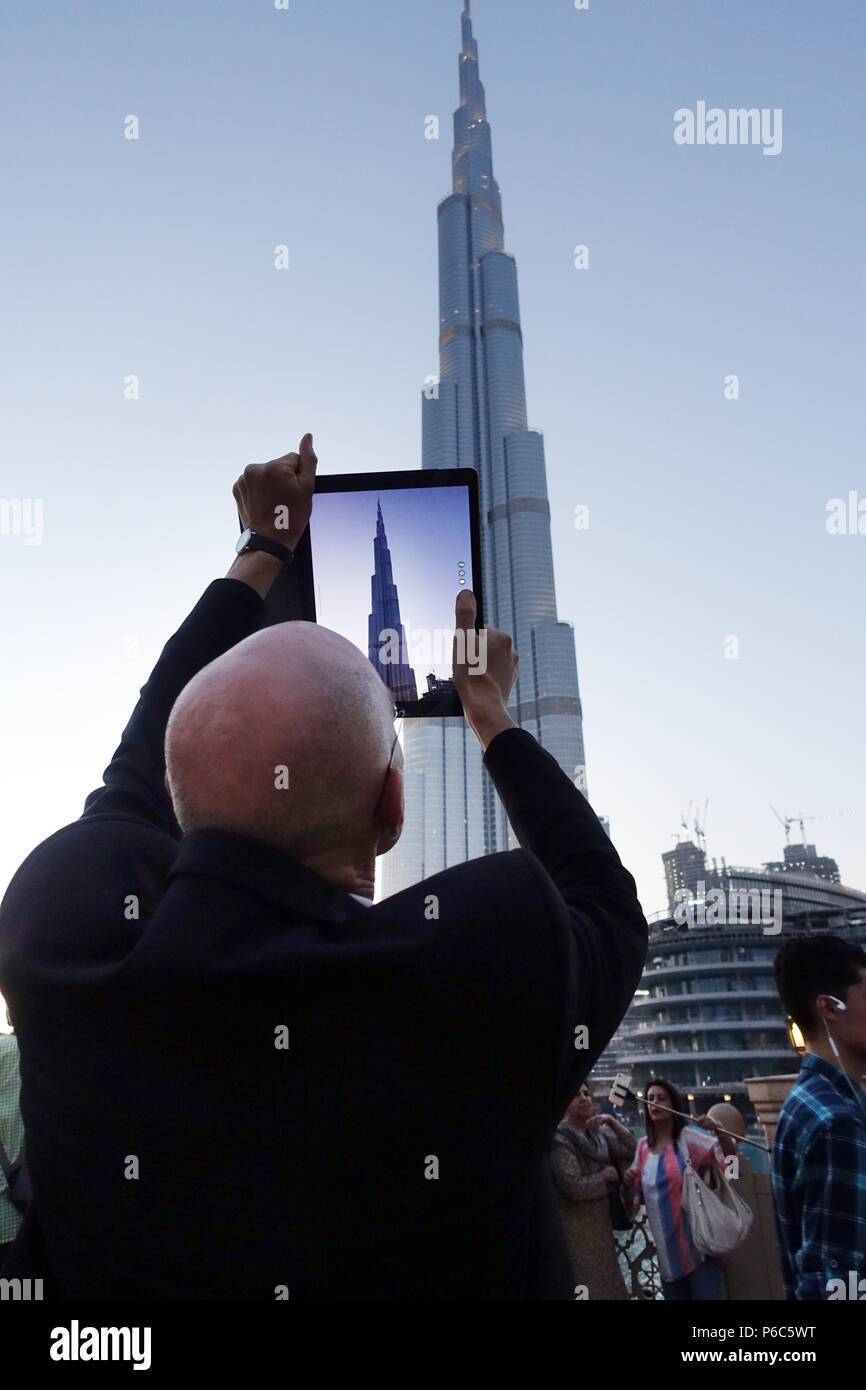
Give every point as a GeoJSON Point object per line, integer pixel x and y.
{"type": "Point", "coordinates": [588, 1154]}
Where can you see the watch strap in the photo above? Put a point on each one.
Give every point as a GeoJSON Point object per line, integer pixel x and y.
{"type": "Point", "coordinates": [272, 547]}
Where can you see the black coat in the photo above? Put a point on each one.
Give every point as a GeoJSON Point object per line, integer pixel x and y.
{"type": "Point", "coordinates": [398, 1147]}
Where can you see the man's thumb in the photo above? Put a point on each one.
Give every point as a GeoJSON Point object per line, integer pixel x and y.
{"type": "Point", "coordinates": [307, 458]}
{"type": "Point", "coordinates": [465, 609]}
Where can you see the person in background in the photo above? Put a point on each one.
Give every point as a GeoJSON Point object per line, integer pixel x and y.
{"type": "Point", "coordinates": [11, 1135]}
{"type": "Point", "coordinates": [587, 1157]}
{"type": "Point", "coordinates": [726, 1116]}
{"type": "Point", "coordinates": [752, 1269]}
{"type": "Point", "coordinates": [730, 1118]}
{"type": "Point", "coordinates": [819, 1152]}
{"type": "Point", "coordinates": [657, 1180]}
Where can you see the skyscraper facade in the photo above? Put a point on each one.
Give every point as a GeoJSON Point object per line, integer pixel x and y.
{"type": "Point", "coordinates": [474, 416]}
{"type": "Point", "coordinates": [386, 637]}
{"type": "Point", "coordinates": [685, 866]}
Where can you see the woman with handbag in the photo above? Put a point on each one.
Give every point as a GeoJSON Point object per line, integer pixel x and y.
{"type": "Point", "coordinates": [666, 1158]}
{"type": "Point", "coordinates": [587, 1157]}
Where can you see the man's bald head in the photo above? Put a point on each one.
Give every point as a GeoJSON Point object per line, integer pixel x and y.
{"type": "Point", "coordinates": [295, 696]}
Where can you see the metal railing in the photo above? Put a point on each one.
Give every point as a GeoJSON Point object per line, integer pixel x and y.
{"type": "Point", "coordinates": [638, 1261]}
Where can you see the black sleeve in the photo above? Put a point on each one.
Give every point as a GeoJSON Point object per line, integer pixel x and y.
{"type": "Point", "coordinates": [583, 882]}
{"type": "Point", "coordinates": [134, 781]}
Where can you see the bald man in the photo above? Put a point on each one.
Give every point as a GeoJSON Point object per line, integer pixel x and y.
{"type": "Point", "coordinates": [240, 1078]}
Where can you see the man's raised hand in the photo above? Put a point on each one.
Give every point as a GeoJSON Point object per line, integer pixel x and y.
{"type": "Point", "coordinates": [485, 669]}
{"type": "Point", "coordinates": [276, 498]}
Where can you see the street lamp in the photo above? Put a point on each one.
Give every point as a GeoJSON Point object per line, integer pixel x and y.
{"type": "Point", "coordinates": [795, 1036]}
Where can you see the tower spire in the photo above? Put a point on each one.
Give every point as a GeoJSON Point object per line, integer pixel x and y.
{"type": "Point", "coordinates": [385, 624]}
{"type": "Point", "coordinates": [472, 156]}
{"type": "Point", "coordinates": [472, 99]}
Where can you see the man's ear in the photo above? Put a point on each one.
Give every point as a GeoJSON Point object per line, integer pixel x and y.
{"type": "Point", "coordinates": [388, 816]}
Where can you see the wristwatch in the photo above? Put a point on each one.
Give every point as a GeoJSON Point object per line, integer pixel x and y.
{"type": "Point", "coordinates": [252, 540]}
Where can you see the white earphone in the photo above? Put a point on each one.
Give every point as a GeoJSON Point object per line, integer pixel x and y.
{"type": "Point", "coordinates": [842, 1009]}
{"type": "Point", "coordinates": [832, 1041]}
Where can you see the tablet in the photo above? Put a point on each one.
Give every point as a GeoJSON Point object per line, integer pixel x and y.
{"type": "Point", "coordinates": [381, 562]}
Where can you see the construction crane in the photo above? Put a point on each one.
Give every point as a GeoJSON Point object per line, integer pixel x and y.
{"type": "Point", "coordinates": [788, 821]}
{"type": "Point", "coordinates": [701, 826]}
{"type": "Point", "coordinates": [684, 823]}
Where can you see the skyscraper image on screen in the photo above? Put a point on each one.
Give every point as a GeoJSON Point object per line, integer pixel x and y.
{"type": "Point", "coordinates": [475, 417]}
{"type": "Point", "coordinates": [385, 629]}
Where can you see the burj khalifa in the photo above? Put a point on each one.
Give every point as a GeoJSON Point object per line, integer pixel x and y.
{"type": "Point", "coordinates": [474, 416]}
{"type": "Point", "coordinates": [385, 625]}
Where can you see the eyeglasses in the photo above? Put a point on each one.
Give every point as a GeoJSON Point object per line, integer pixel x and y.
{"type": "Point", "coordinates": [391, 759]}
{"type": "Point", "coordinates": [394, 744]}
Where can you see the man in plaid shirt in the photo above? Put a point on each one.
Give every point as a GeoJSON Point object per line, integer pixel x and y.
{"type": "Point", "coordinates": [11, 1132]}
{"type": "Point", "coordinates": [819, 1153]}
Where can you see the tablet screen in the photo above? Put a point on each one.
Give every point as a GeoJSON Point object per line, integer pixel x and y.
{"type": "Point", "coordinates": [387, 564]}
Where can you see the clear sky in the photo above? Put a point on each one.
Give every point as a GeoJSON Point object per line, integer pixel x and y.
{"type": "Point", "coordinates": [155, 258]}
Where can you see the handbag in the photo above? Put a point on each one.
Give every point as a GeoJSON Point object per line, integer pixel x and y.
{"type": "Point", "coordinates": [621, 1213]}
{"type": "Point", "coordinates": [719, 1218]}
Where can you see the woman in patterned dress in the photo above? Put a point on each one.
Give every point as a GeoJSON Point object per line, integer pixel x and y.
{"type": "Point", "coordinates": [586, 1151]}
{"type": "Point", "coordinates": [657, 1180]}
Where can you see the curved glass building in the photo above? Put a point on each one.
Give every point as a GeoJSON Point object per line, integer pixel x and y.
{"type": "Point", "coordinates": [706, 1014]}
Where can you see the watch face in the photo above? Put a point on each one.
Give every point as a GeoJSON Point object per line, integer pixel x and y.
{"type": "Point", "coordinates": [243, 540]}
